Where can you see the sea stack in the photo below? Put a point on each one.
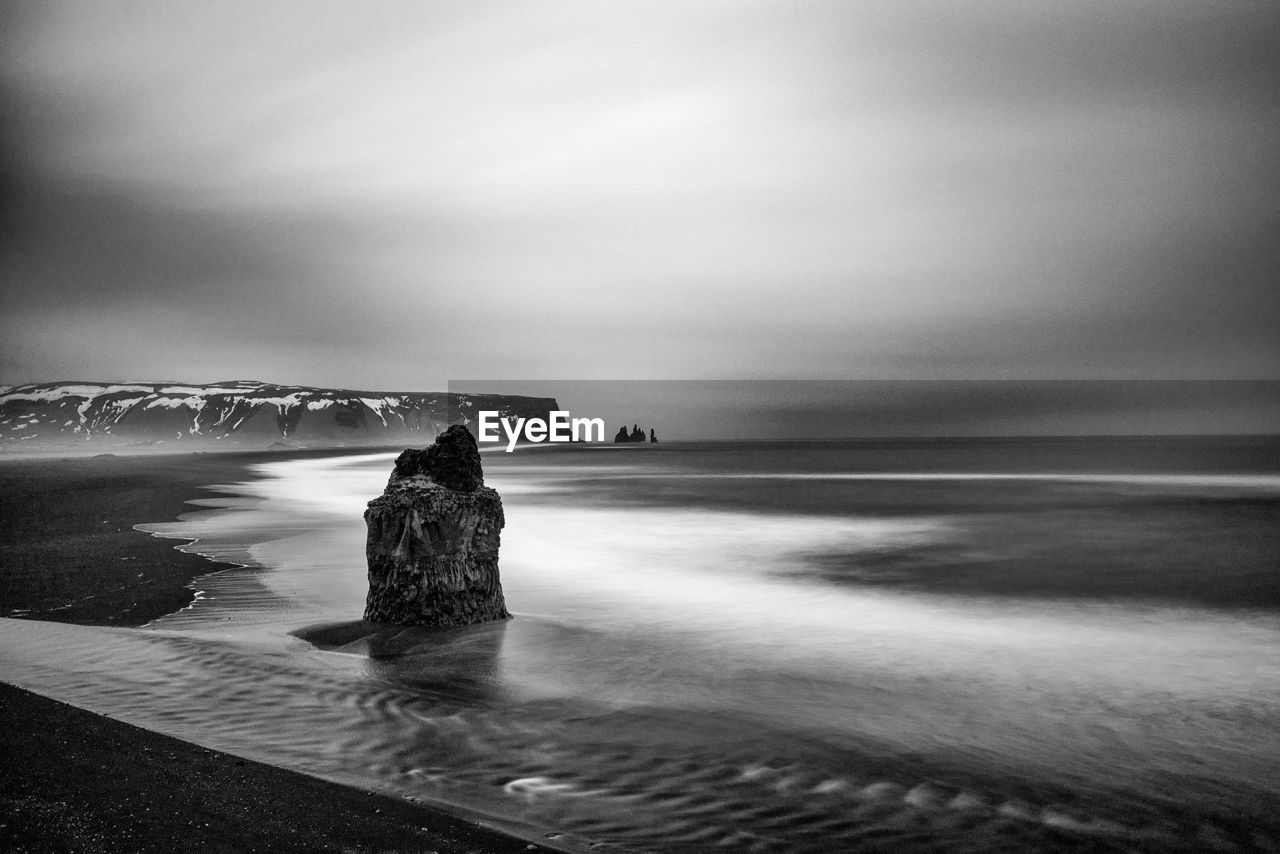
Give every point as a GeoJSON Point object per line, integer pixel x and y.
{"type": "Point", "coordinates": [433, 539]}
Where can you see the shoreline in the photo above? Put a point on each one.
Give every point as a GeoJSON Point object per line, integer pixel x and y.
{"type": "Point", "coordinates": [68, 543]}
{"type": "Point", "coordinates": [75, 780]}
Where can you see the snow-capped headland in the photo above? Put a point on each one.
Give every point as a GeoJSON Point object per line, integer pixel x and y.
{"type": "Point", "coordinates": [241, 413]}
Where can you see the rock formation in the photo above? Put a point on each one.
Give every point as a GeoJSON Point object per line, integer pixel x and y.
{"type": "Point", "coordinates": [653, 437]}
{"type": "Point", "coordinates": [634, 435]}
{"type": "Point", "coordinates": [433, 539]}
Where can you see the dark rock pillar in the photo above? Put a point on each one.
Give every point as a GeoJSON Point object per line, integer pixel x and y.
{"type": "Point", "coordinates": [433, 539]}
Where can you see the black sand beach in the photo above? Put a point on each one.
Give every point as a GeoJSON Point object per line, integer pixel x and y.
{"type": "Point", "coordinates": [74, 781]}
{"type": "Point", "coordinates": [632, 708]}
{"type": "Point", "coordinates": [67, 544]}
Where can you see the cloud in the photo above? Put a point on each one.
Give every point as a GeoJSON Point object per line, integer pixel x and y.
{"type": "Point", "coordinates": [374, 195]}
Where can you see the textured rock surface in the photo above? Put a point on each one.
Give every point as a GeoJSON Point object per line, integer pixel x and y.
{"type": "Point", "coordinates": [433, 539]}
{"type": "Point", "coordinates": [453, 461]}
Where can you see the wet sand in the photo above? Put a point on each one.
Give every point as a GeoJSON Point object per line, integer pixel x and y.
{"type": "Point", "coordinates": [75, 781]}
{"type": "Point", "coordinates": [67, 543]}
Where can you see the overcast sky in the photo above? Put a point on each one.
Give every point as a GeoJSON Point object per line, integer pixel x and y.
{"type": "Point", "coordinates": [388, 195]}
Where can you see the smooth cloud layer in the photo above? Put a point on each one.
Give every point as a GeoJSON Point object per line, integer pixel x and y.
{"type": "Point", "coordinates": [389, 195]}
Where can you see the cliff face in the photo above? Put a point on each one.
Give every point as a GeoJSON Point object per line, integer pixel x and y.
{"type": "Point", "coordinates": [433, 539]}
{"type": "Point", "coordinates": [236, 413]}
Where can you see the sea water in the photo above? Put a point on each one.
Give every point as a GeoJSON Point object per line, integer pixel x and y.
{"type": "Point", "coordinates": [802, 646]}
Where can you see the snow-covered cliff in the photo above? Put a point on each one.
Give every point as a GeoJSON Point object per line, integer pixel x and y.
{"type": "Point", "coordinates": [246, 413]}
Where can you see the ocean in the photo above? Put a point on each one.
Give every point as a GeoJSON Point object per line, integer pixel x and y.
{"type": "Point", "coordinates": [916, 645]}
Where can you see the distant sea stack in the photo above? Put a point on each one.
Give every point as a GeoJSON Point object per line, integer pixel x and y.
{"type": "Point", "coordinates": [433, 538]}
